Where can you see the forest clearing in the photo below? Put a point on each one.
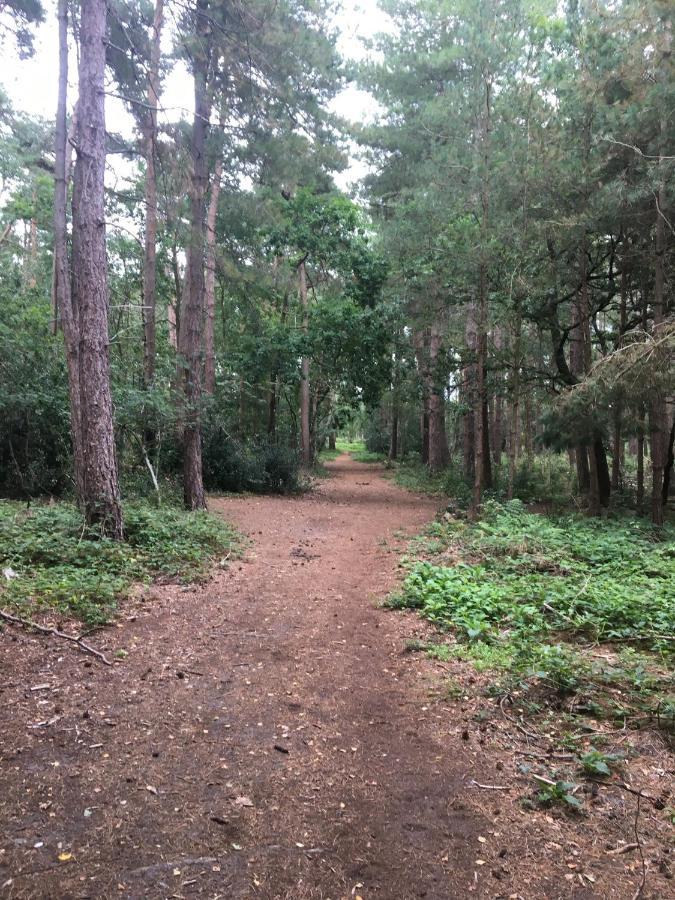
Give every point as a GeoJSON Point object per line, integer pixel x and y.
{"type": "Point", "coordinates": [337, 441]}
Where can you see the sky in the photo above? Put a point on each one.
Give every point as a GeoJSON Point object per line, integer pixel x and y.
{"type": "Point", "coordinates": [32, 83]}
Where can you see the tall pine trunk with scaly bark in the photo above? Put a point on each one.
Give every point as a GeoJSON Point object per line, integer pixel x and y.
{"type": "Point", "coordinates": [63, 300]}
{"type": "Point", "coordinates": [150, 244]}
{"type": "Point", "coordinates": [192, 312]}
{"type": "Point", "coordinates": [101, 499]}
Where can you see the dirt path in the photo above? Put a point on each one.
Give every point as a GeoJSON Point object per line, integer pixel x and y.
{"type": "Point", "coordinates": [264, 737]}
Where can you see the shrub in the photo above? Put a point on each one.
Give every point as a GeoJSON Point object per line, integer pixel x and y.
{"type": "Point", "coordinates": [531, 587]}
{"type": "Point", "coordinates": [376, 436]}
{"type": "Point", "coordinates": [56, 562]}
{"type": "Point", "coordinates": [262, 468]}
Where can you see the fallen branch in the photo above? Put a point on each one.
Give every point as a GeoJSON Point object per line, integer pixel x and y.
{"type": "Point", "coordinates": [625, 848]}
{"type": "Point", "coordinates": [491, 787]}
{"type": "Point", "coordinates": [27, 623]}
{"type": "Point", "coordinates": [626, 787]}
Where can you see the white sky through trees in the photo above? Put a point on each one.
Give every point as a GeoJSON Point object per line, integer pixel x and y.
{"type": "Point", "coordinates": [32, 83]}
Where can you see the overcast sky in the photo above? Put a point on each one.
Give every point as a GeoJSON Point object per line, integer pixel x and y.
{"type": "Point", "coordinates": [32, 83]}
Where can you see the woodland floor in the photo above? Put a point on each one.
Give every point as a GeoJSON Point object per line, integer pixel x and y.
{"type": "Point", "coordinates": [267, 736]}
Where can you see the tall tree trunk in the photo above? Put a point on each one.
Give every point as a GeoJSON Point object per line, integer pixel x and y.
{"type": "Point", "coordinates": [658, 414]}
{"type": "Point", "coordinates": [62, 290]}
{"type": "Point", "coordinates": [514, 415]}
{"type": "Point", "coordinates": [498, 407]}
{"type": "Point", "coordinates": [468, 393]}
{"type": "Point", "coordinates": [424, 426]}
{"type": "Point", "coordinates": [150, 248]}
{"type": "Point", "coordinates": [210, 284]}
{"type": "Point", "coordinates": [192, 308]}
{"type": "Point", "coordinates": [89, 286]}
{"type": "Point", "coordinates": [31, 280]}
{"type": "Point", "coordinates": [578, 365]}
{"type": "Point", "coordinates": [272, 402]}
{"type": "Point", "coordinates": [617, 442]}
{"type": "Point", "coordinates": [305, 436]}
{"type": "Point", "coordinates": [483, 472]}
{"type": "Point", "coordinates": [438, 439]}
{"type": "Point", "coordinates": [528, 429]}
{"type": "Point", "coordinates": [497, 430]}
{"type": "Point", "coordinates": [173, 312]}
{"type": "Point", "coordinates": [670, 461]}
{"type": "Point", "coordinates": [640, 454]}
{"type": "Point", "coordinates": [393, 437]}
{"type": "Point", "coordinates": [65, 176]}
{"type": "Point", "coordinates": [594, 488]}
{"type": "Point", "coordinates": [421, 345]}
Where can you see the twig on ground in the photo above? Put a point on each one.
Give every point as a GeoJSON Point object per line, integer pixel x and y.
{"type": "Point", "coordinates": [547, 757]}
{"type": "Point", "coordinates": [641, 886]}
{"type": "Point", "coordinates": [28, 623]}
{"type": "Point", "coordinates": [541, 779]}
{"type": "Point", "coordinates": [491, 787]}
{"type": "Point", "coordinates": [626, 787]}
{"type": "Point", "coordinates": [625, 848]}
{"type": "Point", "coordinates": [511, 719]}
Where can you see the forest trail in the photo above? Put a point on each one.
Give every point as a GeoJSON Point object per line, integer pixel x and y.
{"type": "Point", "coordinates": [266, 736]}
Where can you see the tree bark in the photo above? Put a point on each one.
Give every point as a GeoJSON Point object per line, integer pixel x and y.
{"type": "Point", "coordinates": [483, 472]}
{"type": "Point", "coordinates": [62, 288]}
{"type": "Point", "coordinates": [89, 285]}
{"type": "Point", "coordinates": [498, 408]}
{"type": "Point", "coordinates": [578, 367]}
{"type": "Point", "coordinates": [192, 309]}
{"type": "Point", "coordinates": [640, 454]}
{"type": "Point", "coordinates": [670, 461]}
{"type": "Point", "coordinates": [514, 415]}
{"type": "Point", "coordinates": [305, 435]}
{"type": "Point", "coordinates": [210, 283]}
{"type": "Point", "coordinates": [150, 248]}
{"type": "Point", "coordinates": [617, 443]}
{"type": "Point", "coordinates": [438, 439]}
{"type": "Point", "coordinates": [393, 437]}
{"type": "Point", "coordinates": [424, 427]}
{"type": "Point", "coordinates": [469, 398]}
{"type": "Point", "coordinates": [658, 414]}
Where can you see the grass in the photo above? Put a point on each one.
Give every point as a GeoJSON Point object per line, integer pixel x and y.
{"type": "Point", "coordinates": [345, 446]}
{"type": "Point", "coordinates": [367, 456]}
{"type": "Point", "coordinates": [545, 479]}
{"type": "Point", "coordinates": [327, 454]}
{"type": "Point", "coordinates": [51, 561]}
{"type": "Point", "coordinates": [415, 476]}
{"type": "Point", "coordinates": [527, 595]}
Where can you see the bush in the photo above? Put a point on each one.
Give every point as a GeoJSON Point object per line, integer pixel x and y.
{"type": "Point", "coordinates": [262, 468]}
{"type": "Point", "coordinates": [56, 562]}
{"type": "Point", "coordinates": [533, 588]}
{"type": "Point", "coordinates": [376, 436]}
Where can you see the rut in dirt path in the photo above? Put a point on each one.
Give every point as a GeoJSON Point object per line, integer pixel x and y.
{"type": "Point", "coordinates": [265, 737]}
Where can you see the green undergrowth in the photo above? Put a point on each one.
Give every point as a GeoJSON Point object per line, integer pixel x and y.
{"type": "Point", "coordinates": [345, 446]}
{"type": "Point", "coordinates": [368, 456]}
{"type": "Point", "coordinates": [413, 475]}
{"type": "Point", "coordinates": [326, 455]}
{"type": "Point", "coordinates": [579, 606]}
{"type": "Point", "coordinates": [545, 479]}
{"type": "Point", "coordinates": [49, 560]}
